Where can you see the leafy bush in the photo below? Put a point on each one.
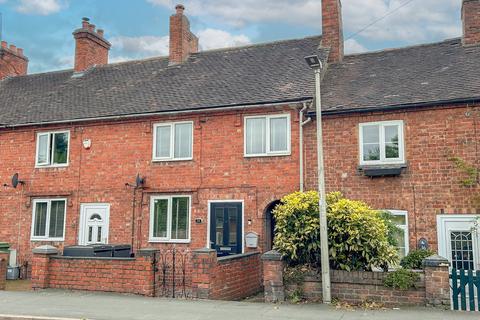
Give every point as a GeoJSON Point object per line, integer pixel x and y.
{"type": "Point", "coordinates": [401, 279]}
{"type": "Point", "coordinates": [358, 236]}
{"type": "Point", "coordinates": [415, 258]}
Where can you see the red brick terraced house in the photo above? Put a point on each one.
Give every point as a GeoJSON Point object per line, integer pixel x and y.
{"type": "Point", "coordinates": [218, 137]}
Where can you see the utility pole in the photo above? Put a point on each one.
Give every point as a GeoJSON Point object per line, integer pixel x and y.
{"type": "Point", "coordinates": [315, 63]}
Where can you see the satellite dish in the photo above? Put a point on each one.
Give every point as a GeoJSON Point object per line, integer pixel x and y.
{"type": "Point", "coordinates": [16, 181]}
{"type": "Point", "coordinates": [139, 181]}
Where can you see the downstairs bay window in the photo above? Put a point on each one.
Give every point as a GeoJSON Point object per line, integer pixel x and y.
{"type": "Point", "coordinates": [48, 221]}
{"type": "Point", "coordinates": [170, 219]}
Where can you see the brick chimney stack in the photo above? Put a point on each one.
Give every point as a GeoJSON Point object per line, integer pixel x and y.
{"type": "Point", "coordinates": [471, 22]}
{"type": "Point", "coordinates": [332, 29]}
{"type": "Point", "coordinates": [91, 48]}
{"type": "Point", "coordinates": [12, 61]}
{"type": "Point", "coordinates": [182, 41]}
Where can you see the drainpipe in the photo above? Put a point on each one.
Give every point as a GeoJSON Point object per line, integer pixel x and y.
{"type": "Point", "coordinates": [301, 124]}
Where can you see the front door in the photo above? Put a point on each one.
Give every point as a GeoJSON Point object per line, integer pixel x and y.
{"type": "Point", "coordinates": [459, 241]}
{"type": "Point", "coordinates": [94, 224]}
{"type": "Point", "coordinates": [226, 227]}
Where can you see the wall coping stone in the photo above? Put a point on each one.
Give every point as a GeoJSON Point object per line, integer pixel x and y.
{"type": "Point", "coordinates": [147, 252]}
{"type": "Point", "coordinates": [272, 255]}
{"type": "Point", "coordinates": [236, 256]}
{"type": "Point", "coordinates": [204, 250]}
{"type": "Point", "coordinates": [46, 250]}
{"type": "Point", "coordinates": [436, 261]}
{"type": "Point", "coordinates": [93, 258]}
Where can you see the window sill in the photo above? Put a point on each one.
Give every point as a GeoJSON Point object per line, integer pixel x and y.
{"type": "Point", "coordinates": [171, 160]}
{"type": "Point", "coordinates": [47, 240]}
{"type": "Point", "coordinates": [169, 241]}
{"type": "Point", "coordinates": [382, 170]}
{"type": "Point", "coordinates": [57, 166]}
{"type": "Point", "coordinates": [268, 155]}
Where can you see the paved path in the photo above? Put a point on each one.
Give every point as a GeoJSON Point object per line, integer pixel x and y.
{"type": "Point", "coordinates": [80, 305]}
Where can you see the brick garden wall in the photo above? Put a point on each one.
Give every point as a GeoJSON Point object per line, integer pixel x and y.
{"type": "Point", "coordinates": [94, 274]}
{"type": "Point", "coordinates": [227, 278]}
{"type": "Point", "coordinates": [358, 287]}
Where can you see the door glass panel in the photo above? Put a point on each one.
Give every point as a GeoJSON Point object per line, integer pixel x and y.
{"type": "Point", "coordinates": [232, 226]}
{"type": "Point", "coordinates": [90, 234]}
{"type": "Point", "coordinates": [99, 234]}
{"type": "Point", "coordinates": [219, 226]}
{"type": "Point", "coordinates": [462, 250]}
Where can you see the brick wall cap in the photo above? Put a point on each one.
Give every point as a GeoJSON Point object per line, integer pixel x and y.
{"type": "Point", "coordinates": [204, 250]}
{"type": "Point", "coordinates": [47, 250]}
{"type": "Point", "coordinates": [272, 255]}
{"type": "Point", "coordinates": [147, 252]}
{"type": "Point", "coordinates": [436, 261]}
{"type": "Point", "coordinates": [237, 256]}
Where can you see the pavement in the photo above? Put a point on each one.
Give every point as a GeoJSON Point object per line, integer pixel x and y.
{"type": "Point", "coordinates": [51, 304]}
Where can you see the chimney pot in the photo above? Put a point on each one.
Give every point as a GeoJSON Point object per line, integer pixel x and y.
{"type": "Point", "coordinates": [13, 48]}
{"type": "Point", "coordinates": [91, 27]}
{"type": "Point", "coordinates": [4, 44]}
{"type": "Point", "coordinates": [180, 8]}
{"type": "Point", "coordinates": [20, 51]}
{"type": "Point", "coordinates": [100, 32]}
{"type": "Point", "coordinates": [85, 23]}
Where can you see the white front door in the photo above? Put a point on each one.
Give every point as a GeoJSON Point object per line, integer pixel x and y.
{"type": "Point", "coordinates": [94, 223]}
{"type": "Point", "coordinates": [459, 241]}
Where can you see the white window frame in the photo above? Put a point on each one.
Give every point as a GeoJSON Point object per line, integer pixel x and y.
{"type": "Point", "coordinates": [172, 141]}
{"type": "Point", "coordinates": [383, 159]}
{"type": "Point", "coordinates": [169, 239]}
{"type": "Point", "coordinates": [49, 164]}
{"type": "Point", "coordinates": [47, 227]}
{"type": "Point", "coordinates": [268, 152]}
{"type": "Point", "coordinates": [404, 228]}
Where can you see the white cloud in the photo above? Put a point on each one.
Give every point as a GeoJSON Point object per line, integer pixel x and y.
{"type": "Point", "coordinates": [39, 7]}
{"type": "Point", "coordinates": [214, 38]}
{"type": "Point", "coordinates": [416, 22]}
{"type": "Point", "coordinates": [353, 46]}
{"type": "Point", "coordinates": [128, 48]}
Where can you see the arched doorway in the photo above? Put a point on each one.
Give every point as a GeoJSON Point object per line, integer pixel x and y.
{"type": "Point", "coordinates": [270, 225]}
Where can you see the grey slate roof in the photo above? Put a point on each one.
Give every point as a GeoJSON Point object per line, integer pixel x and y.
{"type": "Point", "coordinates": [259, 74]}
{"type": "Point", "coordinates": [442, 71]}
{"type": "Point", "coordinates": [267, 73]}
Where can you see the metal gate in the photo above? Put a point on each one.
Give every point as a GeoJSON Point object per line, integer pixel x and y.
{"type": "Point", "coordinates": [173, 277]}
{"type": "Point", "coordinates": [465, 289]}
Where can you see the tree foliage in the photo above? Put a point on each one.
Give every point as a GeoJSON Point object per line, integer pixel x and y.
{"type": "Point", "coordinates": [358, 236]}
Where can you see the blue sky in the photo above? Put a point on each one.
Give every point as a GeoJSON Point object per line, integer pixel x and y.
{"type": "Point", "coordinates": [139, 28]}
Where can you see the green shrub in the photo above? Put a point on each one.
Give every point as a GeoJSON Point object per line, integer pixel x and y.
{"type": "Point", "coordinates": [415, 258]}
{"type": "Point", "coordinates": [358, 236]}
{"type": "Point", "coordinates": [401, 279]}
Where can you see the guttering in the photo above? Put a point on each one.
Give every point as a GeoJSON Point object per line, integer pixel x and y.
{"type": "Point", "coordinates": [403, 106]}
{"type": "Point", "coordinates": [150, 114]}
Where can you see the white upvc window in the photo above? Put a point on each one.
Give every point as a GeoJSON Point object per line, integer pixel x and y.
{"type": "Point", "coordinates": [48, 220]}
{"type": "Point", "coordinates": [52, 149]}
{"type": "Point", "coordinates": [173, 141]}
{"type": "Point", "coordinates": [400, 219]}
{"type": "Point", "coordinates": [267, 135]}
{"type": "Point", "coordinates": [170, 219]}
{"type": "Point", "coordinates": [382, 143]}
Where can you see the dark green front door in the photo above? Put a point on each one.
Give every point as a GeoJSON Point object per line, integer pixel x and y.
{"type": "Point", "coordinates": [226, 227]}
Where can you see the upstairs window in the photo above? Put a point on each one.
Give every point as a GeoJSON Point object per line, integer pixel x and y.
{"type": "Point", "coordinates": [48, 220]}
{"type": "Point", "coordinates": [52, 149]}
{"type": "Point", "coordinates": [267, 135]}
{"type": "Point", "coordinates": [173, 141]}
{"type": "Point", "coordinates": [381, 143]}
